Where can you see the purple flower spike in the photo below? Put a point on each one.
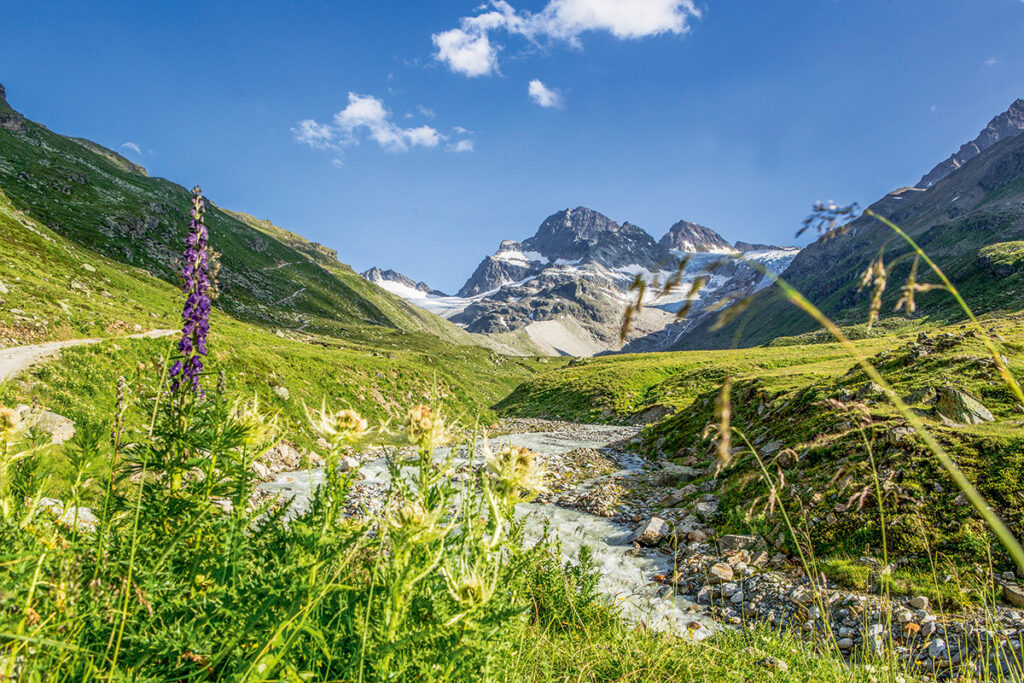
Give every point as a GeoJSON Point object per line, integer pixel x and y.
{"type": "Point", "coordinates": [195, 315]}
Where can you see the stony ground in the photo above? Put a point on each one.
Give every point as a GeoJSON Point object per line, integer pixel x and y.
{"type": "Point", "coordinates": [740, 579]}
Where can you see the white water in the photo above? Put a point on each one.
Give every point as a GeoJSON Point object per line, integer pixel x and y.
{"type": "Point", "coordinates": [627, 580]}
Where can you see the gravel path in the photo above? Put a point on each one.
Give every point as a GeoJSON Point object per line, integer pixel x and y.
{"type": "Point", "coordinates": [17, 359]}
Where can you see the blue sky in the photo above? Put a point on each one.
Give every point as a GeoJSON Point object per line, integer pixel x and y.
{"type": "Point", "coordinates": [732, 113]}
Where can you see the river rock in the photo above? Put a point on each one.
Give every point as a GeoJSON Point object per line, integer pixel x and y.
{"type": "Point", "coordinates": [919, 602]}
{"type": "Point", "coordinates": [1013, 594]}
{"type": "Point", "coordinates": [651, 414]}
{"type": "Point", "coordinates": [960, 407]}
{"type": "Point", "coordinates": [720, 572]}
{"type": "Point", "coordinates": [737, 542]}
{"type": "Point", "coordinates": [673, 475]}
{"type": "Point", "coordinates": [707, 508]}
{"type": "Point", "coordinates": [651, 533]}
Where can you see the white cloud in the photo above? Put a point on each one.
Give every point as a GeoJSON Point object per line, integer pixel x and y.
{"type": "Point", "coordinates": [991, 61]}
{"type": "Point", "coordinates": [316, 135]}
{"type": "Point", "coordinates": [543, 95]}
{"type": "Point", "coordinates": [462, 146]}
{"type": "Point", "coordinates": [426, 111]}
{"type": "Point", "coordinates": [469, 50]}
{"type": "Point", "coordinates": [365, 116]}
{"type": "Point", "coordinates": [133, 147]}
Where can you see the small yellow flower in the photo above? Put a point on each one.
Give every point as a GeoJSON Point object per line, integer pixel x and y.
{"type": "Point", "coordinates": [424, 428]}
{"type": "Point", "coordinates": [518, 471]}
{"type": "Point", "coordinates": [342, 427]}
{"type": "Point", "coordinates": [203, 582]}
{"type": "Point", "coordinates": [471, 589]}
{"type": "Point", "coordinates": [261, 431]}
{"type": "Point", "coordinates": [10, 420]}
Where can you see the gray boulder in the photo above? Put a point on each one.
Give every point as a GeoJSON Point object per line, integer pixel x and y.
{"type": "Point", "coordinates": [651, 533]}
{"type": "Point", "coordinates": [960, 407]}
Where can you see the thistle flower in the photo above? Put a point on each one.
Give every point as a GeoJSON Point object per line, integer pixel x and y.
{"type": "Point", "coordinates": [195, 315]}
{"type": "Point", "coordinates": [470, 589]}
{"type": "Point", "coordinates": [519, 474]}
{"type": "Point", "coordinates": [341, 428]}
{"type": "Point", "coordinates": [10, 421]}
{"type": "Point", "coordinates": [424, 428]}
{"type": "Point", "coordinates": [261, 431]}
{"type": "Point", "coordinates": [412, 521]}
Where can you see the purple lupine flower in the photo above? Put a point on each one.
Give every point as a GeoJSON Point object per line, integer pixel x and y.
{"type": "Point", "coordinates": [195, 316]}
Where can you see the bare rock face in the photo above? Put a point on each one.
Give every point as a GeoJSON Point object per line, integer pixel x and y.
{"type": "Point", "coordinates": [10, 119]}
{"type": "Point", "coordinates": [1008, 124]}
{"type": "Point", "coordinates": [960, 407]}
{"type": "Point", "coordinates": [691, 237]}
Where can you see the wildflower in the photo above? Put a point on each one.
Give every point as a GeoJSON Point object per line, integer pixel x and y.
{"type": "Point", "coordinates": [196, 314]}
{"type": "Point", "coordinates": [10, 420]}
{"type": "Point", "coordinates": [342, 427]}
{"type": "Point", "coordinates": [413, 521]}
{"type": "Point", "coordinates": [424, 428]}
{"type": "Point", "coordinates": [875, 276]}
{"type": "Point", "coordinates": [470, 588]}
{"type": "Point", "coordinates": [723, 414]}
{"type": "Point", "coordinates": [519, 474]}
{"type": "Point", "coordinates": [260, 431]}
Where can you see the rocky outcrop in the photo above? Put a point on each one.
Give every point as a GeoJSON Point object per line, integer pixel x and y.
{"type": "Point", "coordinates": [10, 119]}
{"type": "Point", "coordinates": [960, 407]}
{"type": "Point", "coordinates": [691, 237]}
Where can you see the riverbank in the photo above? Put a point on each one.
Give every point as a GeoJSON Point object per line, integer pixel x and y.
{"type": "Point", "coordinates": [670, 571]}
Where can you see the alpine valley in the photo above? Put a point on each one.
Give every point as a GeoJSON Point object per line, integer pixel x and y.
{"type": "Point", "coordinates": [372, 479]}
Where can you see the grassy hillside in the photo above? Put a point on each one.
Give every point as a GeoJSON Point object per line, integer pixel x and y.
{"type": "Point", "coordinates": [91, 245]}
{"type": "Point", "coordinates": [781, 400]}
{"type": "Point", "coordinates": [970, 223]}
{"type": "Point", "coordinates": [105, 204]}
{"type": "Point", "coordinates": [72, 292]}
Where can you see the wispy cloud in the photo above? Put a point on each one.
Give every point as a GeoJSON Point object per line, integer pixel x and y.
{"type": "Point", "coordinates": [462, 146]}
{"type": "Point", "coordinates": [365, 117]}
{"type": "Point", "coordinates": [132, 146]}
{"type": "Point", "coordinates": [992, 61]}
{"type": "Point", "coordinates": [468, 49]}
{"type": "Point", "coordinates": [543, 95]}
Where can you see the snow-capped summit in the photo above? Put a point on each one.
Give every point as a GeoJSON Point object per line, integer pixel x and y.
{"type": "Point", "coordinates": [565, 289]}
{"type": "Point", "coordinates": [396, 283]}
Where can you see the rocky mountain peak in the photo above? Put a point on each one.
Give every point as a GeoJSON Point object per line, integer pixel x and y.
{"type": "Point", "coordinates": [691, 237]}
{"type": "Point", "coordinates": [571, 226]}
{"type": "Point", "coordinates": [3, 93]}
{"type": "Point", "coordinates": [1007, 125]}
{"type": "Point", "coordinates": [389, 278]}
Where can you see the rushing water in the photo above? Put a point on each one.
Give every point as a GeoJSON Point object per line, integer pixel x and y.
{"type": "Point", "coordinates": [625, 577]}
